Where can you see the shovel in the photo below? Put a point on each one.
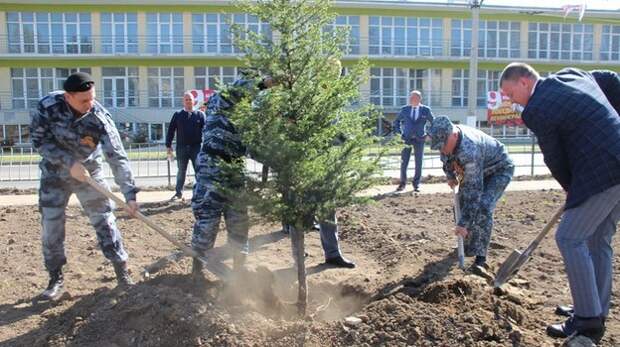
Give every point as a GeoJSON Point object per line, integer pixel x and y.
{"type": "Point", "coordinates": [516, 259]}
{"type": "Point", "coordinates": [457, 216]}
{"type": "Point", "coordinates": [217, 268]}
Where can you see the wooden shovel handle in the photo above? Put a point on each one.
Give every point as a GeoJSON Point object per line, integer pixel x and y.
{"type": "Point", "coordinates": [188, 251]}
{"type": "Point", "coordinates": [546, 229]}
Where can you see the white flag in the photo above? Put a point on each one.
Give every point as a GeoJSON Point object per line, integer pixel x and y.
{"type": "Point", "coordinates": [567, 9]}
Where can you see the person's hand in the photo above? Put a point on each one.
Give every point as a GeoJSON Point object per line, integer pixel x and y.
{"type": "Point", "coordinates": [269, 81]}
{"type": "Point", "coordinates": [132, 208]}
{"type": "Point", "coordinates": [170, 153]}
{"type": "Point", "coordinates": [78, 171]}
{"type": "Point", "coordinates": [460, 231]}
{"type": "Point", "coordinates": [453, 183]}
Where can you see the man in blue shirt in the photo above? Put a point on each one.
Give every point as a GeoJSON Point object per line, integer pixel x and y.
{"type": "Point", "coordinates": [413, 118]}
{"type": "Point", "coordinates": [188, 125]}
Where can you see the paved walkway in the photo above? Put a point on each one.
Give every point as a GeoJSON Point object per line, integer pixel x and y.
{"type": "Point", "coordinates": [160, 196]}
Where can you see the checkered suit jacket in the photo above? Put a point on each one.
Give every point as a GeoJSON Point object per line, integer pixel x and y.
{"type": "Point", "coordinates": [578, 131]}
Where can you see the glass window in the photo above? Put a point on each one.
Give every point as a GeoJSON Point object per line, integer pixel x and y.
{"type": "Point", "coordinates": [211, 77]}
{"type": "Point", "coordinates": [610, 43]}
{"type": "Point", "coordinates": [120, 86]}
{"type": "Point", "coordinates": [561, 41]}
{"type": "Point", "coordinates": [390, 87]}
{"type": "Point", "coordinates": [350, 24]}
{"type": "Point", "coordinates": [211, 32]}
{"type": "Point", "coordinates": [42, 32]}
{"type": "Point", "coordinates": [165, 86]}
{"type": "Point", "coordinates": [119, 33]}
{"type": "Point", "coordinates": [495, 39]}
{"type": "Point", "coordinates": [29, 85]}
{"type": "Point", "coordinates": [164, 33]}
{"type": "Point", "coordinates": [405, 36]}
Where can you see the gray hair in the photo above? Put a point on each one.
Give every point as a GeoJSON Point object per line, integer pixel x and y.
{"type": "Point", "coordinates": [190, 95]}
{"type": "Point", "coordinates": [416, 92]}
{"type": "Point", "coordinates": [514, 71]}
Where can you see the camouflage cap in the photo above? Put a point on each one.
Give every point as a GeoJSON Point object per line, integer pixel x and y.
{"type": "Point", "coordinates": [439, 130]}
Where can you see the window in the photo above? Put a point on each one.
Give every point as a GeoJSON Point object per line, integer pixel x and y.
{"type": "Point", "coordinates": [610, 45]}
{"type": "Point", "coordinates": [46, 33]}
{"type": "Point", "coordinates": [560, 41]}
{"type": "Point", "coordinates": [29, 85]}
{"type": "Point", "coordinates": [390, 87]}
{"type": "Point", "coordinates": [156, 132]}
{"type": "Point", "coordinates": [460, 45]}
{"type": "Point", "coordinates": [119, 33]}
{"type": "Point", "coordinates": [496, 39]}
{"type": "Point", "coordinates": [211, 32]}
{"type": "Point", "coordinates": [487, 80]}
{"type": "Point", "coordinates": [410, 36]}
{"type": "Point", "coordinates": [164, 33]}
{"type": "Point", "coordinates": [460, 88]}
{"type": "Point", "coordinates": [165, 86]}
{"type": "Point", "coordinates": [120, 86]}
{"type": "Point", "coordinates": [11, 133]}
{"type": "Point", "coordinates": [352, 26]}
{"type": "Point", "coordinates": [499, 39]}
{"type": "Point", "coordinates": [210, 77]}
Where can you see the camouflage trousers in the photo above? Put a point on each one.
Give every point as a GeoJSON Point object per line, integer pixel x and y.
{"type": "Point", "coordinates": [479, 238]}
{"type": "Point", "coordinates": [54, 193]}
{"type": "Point", "coordinates": [210, 202]}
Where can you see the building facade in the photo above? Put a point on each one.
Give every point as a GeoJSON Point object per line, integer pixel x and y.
{"type": "Point", "coordinates": [144, 54]}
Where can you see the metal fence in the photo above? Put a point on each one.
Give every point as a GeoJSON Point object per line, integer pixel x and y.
{"type": "Point", "coordinates": [150, 161]}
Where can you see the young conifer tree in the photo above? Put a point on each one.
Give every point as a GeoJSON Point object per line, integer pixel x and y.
{"type": "Point", "coordinates": [309, 128]}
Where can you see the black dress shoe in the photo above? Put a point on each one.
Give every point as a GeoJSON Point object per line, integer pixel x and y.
{"type": "Point", "coordinates": [565, 310]}
{"type": "Point", "coordinates": [416, 189]}
{"type": "Point", "coordinates": [340, 262]}
{"type": "Point", "coordinates": [400, 188]}
{"type": "Point", "coordinates": [593, 328]}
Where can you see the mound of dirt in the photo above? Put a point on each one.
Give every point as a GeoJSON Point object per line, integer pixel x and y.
{"type": "Point", "coordinates": [405, 291]}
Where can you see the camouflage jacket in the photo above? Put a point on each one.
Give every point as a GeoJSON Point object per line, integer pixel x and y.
{"type": "Point", "coordinates": [475, 157]}
{"type": "Point", "coordinates": [62, 139]}
{"type": "Point", "coordinates": [220, 138]}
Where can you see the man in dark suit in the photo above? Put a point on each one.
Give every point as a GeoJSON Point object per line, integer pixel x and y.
{"type": "Point", "coordinates": [410, 123]}
{"type": "Point", "coordinates": [578, 129]}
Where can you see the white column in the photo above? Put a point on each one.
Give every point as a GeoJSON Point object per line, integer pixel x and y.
{"type": "Point", "coordinates": [96, 31]}
{"type": "Point", "coordinates": [4, 43]}
{"type": "Point", "coordinates": [523, 39]}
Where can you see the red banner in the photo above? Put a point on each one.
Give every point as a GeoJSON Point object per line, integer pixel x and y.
{"type": "Point", "coordinates": [501, 111]}
{"type": "Point", "coordinates": [201, 96]}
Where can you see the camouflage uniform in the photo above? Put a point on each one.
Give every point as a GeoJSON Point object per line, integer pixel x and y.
{"type": "Point", "coordinates": [220, 143]}
{"type": "Point", "coordinates": [484, 169]}
{"type": "Point", "coordinates": [62, 139]}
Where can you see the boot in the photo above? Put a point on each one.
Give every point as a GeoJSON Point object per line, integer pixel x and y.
{"type": "Point", "coordinates": [122, 274]}
{"type": "Point", "coordinates": [198, 265]}
{"type": "Point", "coordinates": [591, 327]}
{"type": "Point", "coordinates": [55, 286]}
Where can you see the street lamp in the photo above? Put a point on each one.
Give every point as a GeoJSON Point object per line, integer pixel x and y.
{"type": "Point", "coordinates": [473, 62]}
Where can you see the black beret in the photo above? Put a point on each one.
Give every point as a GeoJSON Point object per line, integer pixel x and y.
{"type": "Point", "coordinates": [78, 82]}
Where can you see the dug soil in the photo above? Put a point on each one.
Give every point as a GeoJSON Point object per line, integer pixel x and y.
{"type": "Point", "coordinates": [405, 291]}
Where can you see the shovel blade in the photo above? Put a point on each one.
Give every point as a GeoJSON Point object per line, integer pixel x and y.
{"type": "Point", "coordinates": [216, 267]}
{"type": "Point", "coordinates": [508, 268]}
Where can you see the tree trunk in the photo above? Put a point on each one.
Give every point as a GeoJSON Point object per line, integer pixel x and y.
{"type": "Point", "coordinates": [299, 252]}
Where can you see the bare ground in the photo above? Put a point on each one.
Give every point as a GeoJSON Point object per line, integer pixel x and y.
{"type": "Point", "coordinates": [406, 289]}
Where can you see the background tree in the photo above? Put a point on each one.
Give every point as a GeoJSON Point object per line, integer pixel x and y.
{"type": "Point", "coordinates": [308, 129]}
